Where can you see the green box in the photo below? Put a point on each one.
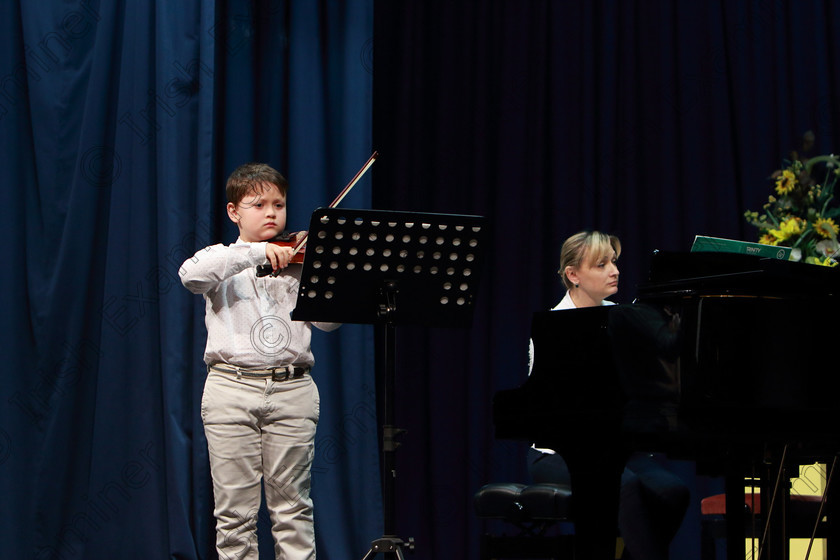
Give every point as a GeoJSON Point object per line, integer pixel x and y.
{"type": "Point", "coordinates": [703, 243]}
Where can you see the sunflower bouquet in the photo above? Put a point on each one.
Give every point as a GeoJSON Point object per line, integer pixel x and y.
{"type": "Point", "coordinates": [800, 214]}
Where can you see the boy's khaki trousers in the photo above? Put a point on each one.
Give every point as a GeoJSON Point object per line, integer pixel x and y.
{"type": "Point", "coordinates": [260, 430]}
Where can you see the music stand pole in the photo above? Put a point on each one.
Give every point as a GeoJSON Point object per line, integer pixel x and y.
{"type": "Point", "coordinates": [389, 544]}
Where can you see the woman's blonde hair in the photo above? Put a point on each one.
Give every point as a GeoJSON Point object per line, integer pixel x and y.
{"type": "Point", "coordinates": [590, 245]}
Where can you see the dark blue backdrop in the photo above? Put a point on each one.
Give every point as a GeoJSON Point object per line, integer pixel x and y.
{"type": "Point", "coordinates": [119, 122]}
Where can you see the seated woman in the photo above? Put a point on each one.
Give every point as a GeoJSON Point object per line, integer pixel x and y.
{"type": "Point", "coordinates": [653, 501]}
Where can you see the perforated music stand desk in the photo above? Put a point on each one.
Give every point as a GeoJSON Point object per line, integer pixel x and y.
{"type": "Point", "coordinates": [390, 268]}
{"type": "Point", "coordinates": [432, 260]}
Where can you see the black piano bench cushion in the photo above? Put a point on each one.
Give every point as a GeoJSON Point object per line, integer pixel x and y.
{"type": "Point", "coordinates": [517, 502]}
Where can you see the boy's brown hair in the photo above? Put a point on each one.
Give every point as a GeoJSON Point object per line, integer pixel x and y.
{"type": "Point", "coordinates": [250, 178]}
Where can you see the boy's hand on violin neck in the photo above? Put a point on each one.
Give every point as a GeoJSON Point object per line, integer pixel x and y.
{"type": "Point", "coordinates": [278, 256]}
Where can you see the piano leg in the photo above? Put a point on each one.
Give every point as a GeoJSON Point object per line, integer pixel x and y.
{"type": "Point", "coordinates": [773, 543]}
{"type": "Point", "coordinates": [775, 493]}
{"type": "Point", "coordinates": [596, 484]}
{"type": "Point", "coordinates": [735, 512]}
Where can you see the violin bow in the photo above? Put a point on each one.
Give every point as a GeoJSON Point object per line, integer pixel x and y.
{"type": "Point", "coordinates": [302, 241]}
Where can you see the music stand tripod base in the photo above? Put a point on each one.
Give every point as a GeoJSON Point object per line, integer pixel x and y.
{"type": "Point", "coordinates": [389, 546]}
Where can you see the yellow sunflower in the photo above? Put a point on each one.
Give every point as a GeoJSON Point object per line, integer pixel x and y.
{"type": "Point", "coordinates": [787, 229]}
{"type": "Point", "coordinates": [825, 227]}
{"type": "Point", "coordinates": [768, 239]}
{"type": "Point", "coordinates": [786, 182]}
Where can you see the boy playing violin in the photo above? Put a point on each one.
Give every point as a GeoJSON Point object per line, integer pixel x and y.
{"type": "Point", "coordinates": [260, 405]}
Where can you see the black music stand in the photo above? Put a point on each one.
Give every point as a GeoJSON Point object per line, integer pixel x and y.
{"type": "Point", "coordinates": [387, 268]}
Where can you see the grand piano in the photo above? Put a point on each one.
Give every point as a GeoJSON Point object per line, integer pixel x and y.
{"type": "Point", "coordinates": [726, 359]}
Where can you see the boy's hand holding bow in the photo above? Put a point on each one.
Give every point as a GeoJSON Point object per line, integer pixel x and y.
{"type": "Point", "coordinates": [278, 256]}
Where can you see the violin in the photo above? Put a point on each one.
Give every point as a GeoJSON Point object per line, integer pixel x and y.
{"type": "Point", "coordinates": [297, 240]}
{"type": "Point", "coordinates": [286, 239]}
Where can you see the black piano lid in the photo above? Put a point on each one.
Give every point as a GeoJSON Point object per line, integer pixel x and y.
{"type": "Point", "coordinates": [702, 272]}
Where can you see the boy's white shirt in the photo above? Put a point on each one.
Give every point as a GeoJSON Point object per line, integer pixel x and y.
{"type": "Point", "coordinates": [248, 319]}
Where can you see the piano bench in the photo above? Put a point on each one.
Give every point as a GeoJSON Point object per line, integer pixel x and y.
{"type": "Point", "coordinates": [533, 510]}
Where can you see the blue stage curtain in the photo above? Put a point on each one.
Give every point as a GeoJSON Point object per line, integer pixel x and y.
{"type": "Point", "coordinates": [119, 123]}
{"type": "Point", "coordinates": [654, 120]}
